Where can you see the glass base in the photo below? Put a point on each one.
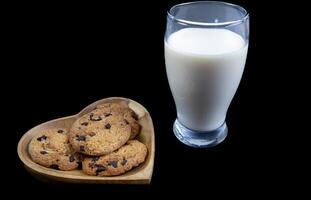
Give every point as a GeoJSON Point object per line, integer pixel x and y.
{"type": "Point", "coordinates": [199, 139]}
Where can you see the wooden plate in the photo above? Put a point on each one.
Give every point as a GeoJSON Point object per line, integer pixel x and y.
{"type": "Point", "coordinates": [139, 175]}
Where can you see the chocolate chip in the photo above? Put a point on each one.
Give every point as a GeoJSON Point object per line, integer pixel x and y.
{"type": "Point", "coordinates": [113, 163]}
{"type": "Point", "coordinates": [43, 137]}
{"type": "Point", "coordinates": [98, 165]}
{"type": "Point", "coordinates": [96, 118]}
{"type": "Point", "coordinates": [91, 134]}
{"type": "Point", "coordinates": [82, 148]}
{"type": "Point", "coordinates": [108, 126]}
{"type": "Point", "coordinates": [79, 164]}
{"type": "Point", "coordinates": [43, 152]}
{"type": "Point", "coordinates": [126, 121]}
{"type": "Point", "coordinates": [80, 137]}
{"type": "Point", "coordinates": [92, 165]}
{"type": "Point", "coordinates": [107, 114]}
{"type": "Point", "coordinates": [84, 123]}
{"type": "Point", "coordinates": [135, 116]}
{"type": "Point", "coordinates": [124, 161]}
{"type": "Point", "coordinates": [60, 131]}
{"type": "Point", "coordinates": [54, 166]}
{"type": "Point", "coordinates": [95, 159]}
{"type": "Point", "coordinates": [71, 158]}
{"type": "Point", "coordinates": [100, 168]}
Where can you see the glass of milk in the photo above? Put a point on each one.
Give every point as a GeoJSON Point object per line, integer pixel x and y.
{"type": "Point", "coordinates": [206, 45]}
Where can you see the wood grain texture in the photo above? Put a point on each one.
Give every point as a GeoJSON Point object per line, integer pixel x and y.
{"type": "Point", "coordinates": [139, 175]}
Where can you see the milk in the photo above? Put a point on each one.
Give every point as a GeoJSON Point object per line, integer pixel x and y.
{"type": "Point", "coordinates": [204, 68]}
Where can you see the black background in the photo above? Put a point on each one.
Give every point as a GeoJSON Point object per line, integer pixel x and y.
{"type": "Point", "coordinates": [68, 56]}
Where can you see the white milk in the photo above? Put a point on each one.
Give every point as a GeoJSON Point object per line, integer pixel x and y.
{"type": "Point", "coordinates": [204, 68]}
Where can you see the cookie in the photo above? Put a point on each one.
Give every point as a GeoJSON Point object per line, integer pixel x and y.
{"type": "Point", "coordinates": [129, 115]}
{"type": "Point", "coordinates": [52, 149]}
{"type": "Point", "coordinates": [97, 134]}
{"type": "Point", "coordinates": [118, 162]}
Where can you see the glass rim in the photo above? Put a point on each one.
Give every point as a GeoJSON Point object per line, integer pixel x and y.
{"type": "Point", "coordinates": [189, 22]}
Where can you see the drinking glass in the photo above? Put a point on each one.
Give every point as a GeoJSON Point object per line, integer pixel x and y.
{"type": "Point", "coordinates": [206, 46]}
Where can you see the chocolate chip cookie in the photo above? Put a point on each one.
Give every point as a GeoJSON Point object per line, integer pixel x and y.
{"type": "Point", "coordinates": [118, 162]}
{"type": "Point", "coordinates": [121, 108]}
{"type": "Point", "coordinates": [52, 149]}
{"type": "Point", "coordinates": [96, 133]}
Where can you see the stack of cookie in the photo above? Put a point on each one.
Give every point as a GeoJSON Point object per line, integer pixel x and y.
{"type": "Point", "coordinates": [103, 140]}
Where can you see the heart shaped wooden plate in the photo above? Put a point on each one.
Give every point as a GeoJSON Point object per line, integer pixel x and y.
{"type": "Point", "coordinates": [139, 175]}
